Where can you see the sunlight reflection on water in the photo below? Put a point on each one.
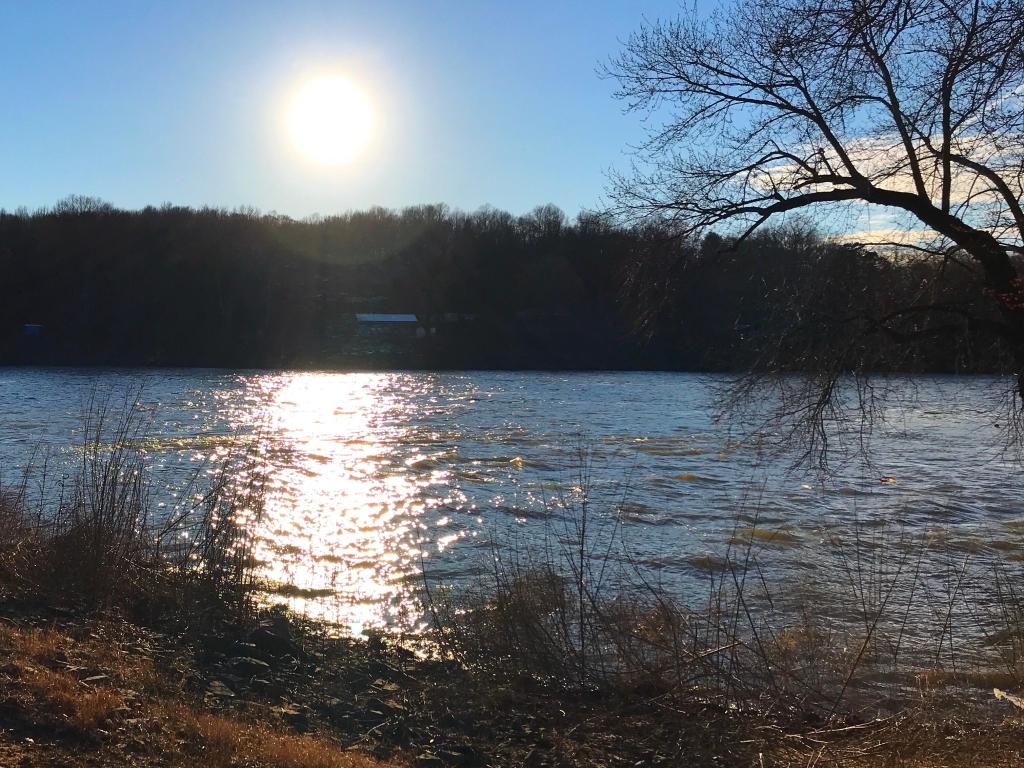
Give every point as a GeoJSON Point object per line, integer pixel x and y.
{"type": "Point", "coordinates": [343, 509]}
{"type": "Point", "coordinates": [371, 474]}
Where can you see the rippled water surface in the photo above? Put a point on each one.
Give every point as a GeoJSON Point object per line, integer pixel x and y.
{"type": "Point", "coordinates": [373, 476]}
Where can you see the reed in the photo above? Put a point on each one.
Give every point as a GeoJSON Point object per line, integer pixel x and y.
{"type": "Point", "coordinates": [891, 621]}
{"type": "Point", "coordinates": [92, 536]}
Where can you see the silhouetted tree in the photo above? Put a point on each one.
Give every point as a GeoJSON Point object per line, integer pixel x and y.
{"type": "Point", "coordinates": [774, 106]}
{"type": "Point", "coordinates": [177, 286]}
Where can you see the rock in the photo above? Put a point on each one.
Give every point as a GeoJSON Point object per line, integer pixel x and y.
{"type": "Point", "coordinates": [334, 707]}
{"type": "Point", "coordinates": [295, 717]}
{"type": "Point", "coordinates": [385, 685]}
{"type": "Point", "coordinates": [382, 707]}
{"type": "Point", "coordinates": [218, 644]}
{"type": "Point", "coordinates": [219, 689]}
{"type": "Point", "coordinates": [136, 746]}
{"type": "Point", "coordinates": [272, 638]}
{"type": "Point", "coordinates": [267, 686]}
{"type": "Point", "coordinates": [394, 706]}
{"type": "Point", "coordinates": [428, 760]}
{"type": "Point", "coordinates": [461, 755]}
{"type": "Point", "coordinates": [247, 666]}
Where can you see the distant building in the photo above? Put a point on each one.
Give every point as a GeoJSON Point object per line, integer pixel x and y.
{"type": "Point", "coordinates": [381, 334]}
{"type": "Point", "coordinates": [378, 317]}
{"type": "Point", "coordinates": [458, 317]}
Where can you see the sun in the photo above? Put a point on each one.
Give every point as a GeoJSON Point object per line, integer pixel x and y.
{"type": "Point", "coordinates": [330, 120]}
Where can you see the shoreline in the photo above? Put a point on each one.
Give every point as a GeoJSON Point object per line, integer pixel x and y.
{"type": "Point", "coordinates": [79, 690]}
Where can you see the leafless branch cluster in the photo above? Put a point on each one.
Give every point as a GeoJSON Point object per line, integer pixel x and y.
{"type": "Point", "coordinates": [769, 107]}
{"type": "Point", "coordinates": [776, 105]}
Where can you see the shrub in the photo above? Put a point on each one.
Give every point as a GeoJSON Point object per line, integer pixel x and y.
{"type": "Point", "coordinates": [95, 537]}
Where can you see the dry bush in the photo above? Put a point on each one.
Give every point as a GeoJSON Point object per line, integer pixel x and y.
{"type": "Point", "coordinates": [207, 549]}
{"type": "Point", "coordinates": [906, 612]}
{"type": "Point", "coordinates": [20, 539]}
{"type": "Point", "coordinates": [95, 538]}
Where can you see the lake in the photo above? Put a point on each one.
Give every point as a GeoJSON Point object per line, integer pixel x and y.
{"type": "Point", "coordinates": [374, 477]}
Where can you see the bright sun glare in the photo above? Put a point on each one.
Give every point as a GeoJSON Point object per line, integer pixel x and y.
{"type": "Point", "coordinates": [330, 120]}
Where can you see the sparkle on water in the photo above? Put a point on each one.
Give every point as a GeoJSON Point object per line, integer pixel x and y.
{"type": "Point", "coordinates": [371, 475]}
{"type": "Point", "coordinates": [343, 512]}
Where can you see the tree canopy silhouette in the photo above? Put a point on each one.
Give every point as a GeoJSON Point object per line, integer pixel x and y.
{"type": "Point", "coordinates": [86, 283]}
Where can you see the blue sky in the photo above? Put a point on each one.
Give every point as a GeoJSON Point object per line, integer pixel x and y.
{"type": "Point", "coordinates": [149, 102]}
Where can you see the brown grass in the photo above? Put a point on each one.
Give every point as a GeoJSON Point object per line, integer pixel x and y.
{"type": "Point", "coordinates": [912, 623]}
{"type": "Point", "coordinates": [37, 644]}
{"type": "Point", "coordinates": [226, 741]}
{"type": "Point", "coordinates": [95, 538]}
{"type": "Point", "coordinates": [37, 653]}
{"type": "Point", "coordinates": [38, 664]}
{"type": "Point", "coordinates": [84, 707]}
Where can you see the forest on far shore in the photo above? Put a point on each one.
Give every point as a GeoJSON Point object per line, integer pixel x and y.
{"type": "Point", "coordinates": [87, 284]}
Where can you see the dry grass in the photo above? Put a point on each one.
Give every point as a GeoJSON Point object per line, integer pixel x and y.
{"type": "Point", "coordinates": [37, 654]}
{"type": "Point", "coordinates": [85, 708]}
{"type": "Point", "coordinates": [908, 622]}
{"type": "Point", "coordinates": [982, 679]}
{"type": "Point", "coordinates": [43, 670]}
{"type": "Point", "coordinates": [918, 740]}
{"type": "Point", "coordinates": [37, 644]}
{"type": "Point", "coordinates": [226, 741]}
{"type": "Point", "coordinates": [91, 534]}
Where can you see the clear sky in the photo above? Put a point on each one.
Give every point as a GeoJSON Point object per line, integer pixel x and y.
{"type": "Point", "coordinates": [475, 102]}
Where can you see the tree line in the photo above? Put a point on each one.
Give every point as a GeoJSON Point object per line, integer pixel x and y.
{"type": "Point", "coordinates": [85, 283]}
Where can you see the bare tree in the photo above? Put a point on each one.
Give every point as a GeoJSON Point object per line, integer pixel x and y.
{"type": "Point", "coordinates": [773, 106]}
